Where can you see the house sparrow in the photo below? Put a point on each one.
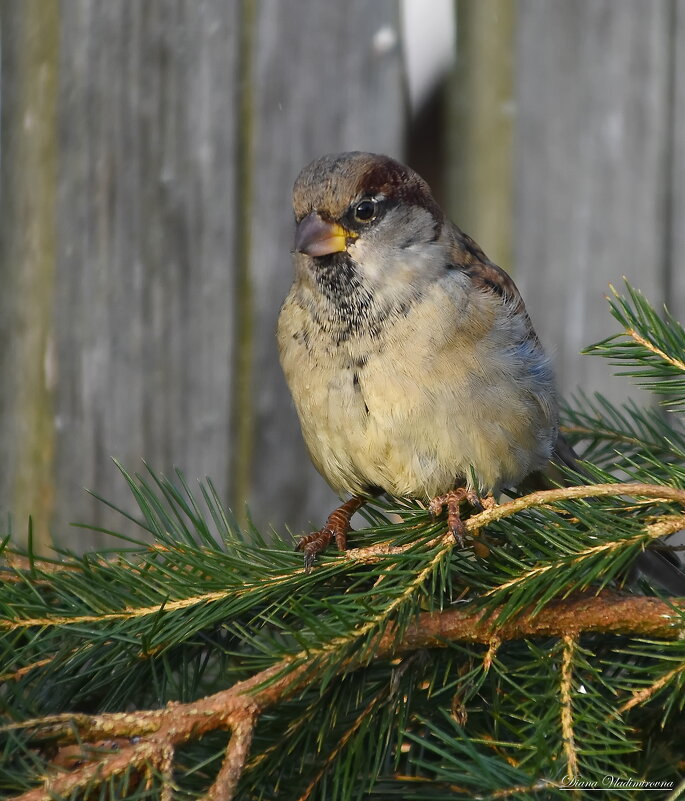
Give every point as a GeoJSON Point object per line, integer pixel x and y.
{"type": "Point", "coordinates": [412, 361]}
{"type": "Point", "coordinates": [413, 364]}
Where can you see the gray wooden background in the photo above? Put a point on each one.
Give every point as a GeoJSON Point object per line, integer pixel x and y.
{"type": "Point", "coordinates": [147, 152]}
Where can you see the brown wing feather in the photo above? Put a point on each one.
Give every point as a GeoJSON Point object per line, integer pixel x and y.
{"type": "Point", "coordinates": [484, 274]}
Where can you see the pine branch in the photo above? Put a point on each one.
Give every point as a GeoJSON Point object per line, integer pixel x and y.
{"type": "Point", "coordinates": [237, 751]}
{"type": "Point", "coordinates": [238, 709]}
{"type": "Point", "coordinates": [159, 732]}
{"type": "Point", "coordinates": [539, 499]}
{"type": "Point", "coordinates": [400, 668]}
{"type": "Point", "coordinates": [566, 693]}
{"type": "Point", "coordinates": [651, 346]}
{"type": "Point", "coordinates": [646, 693]}
{"type": "Point", "coordinates": [611, 433]}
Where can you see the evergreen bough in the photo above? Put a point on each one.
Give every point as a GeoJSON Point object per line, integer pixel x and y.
{"type": "Point", "coordinates": [202, 661]}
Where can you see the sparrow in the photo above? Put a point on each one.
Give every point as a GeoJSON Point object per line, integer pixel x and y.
{"type": "Point", "coordinates": [413, 364]}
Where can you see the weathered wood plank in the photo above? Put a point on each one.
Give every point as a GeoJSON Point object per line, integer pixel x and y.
{"type": "Point", "coordinates": [147, 237]}
{"type": "Point", "coordinates": [29, 47]}
{"type": "Point", "coordinates": [181, 127]}
{"type": "Point", "coordinates": [481, 125]}
{"type": "Point", "coordinates": [591, 151]}
{"type": "Point", "coordinates": [324, 80]}
{"type": "Point", "coordinates": [675, 179]}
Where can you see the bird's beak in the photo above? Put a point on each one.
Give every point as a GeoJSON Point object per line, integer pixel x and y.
{"type": "Point", "coordinates": [316, 237]}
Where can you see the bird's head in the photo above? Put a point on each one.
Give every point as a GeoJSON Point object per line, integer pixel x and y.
{"type": "Point", "coordinates": [367, 215]}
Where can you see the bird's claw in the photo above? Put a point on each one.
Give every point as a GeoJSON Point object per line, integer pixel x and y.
{"type": "Point", "coordinates": [337, 527]}
{"type": "Point", "coordinates": [312, 545]}
{"type": "Point", "coordinates": [453, 500]}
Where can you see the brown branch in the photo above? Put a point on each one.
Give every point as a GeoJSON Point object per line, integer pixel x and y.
{"type": "Point", "coordinates": [607, 612]}
{"type": "Point", "coordinates": [493, 647]}
{"type": "Point", "coordinates": [22, 671]}
{"type": "Point", "coordinates": [239, 707]}
{"type": "Point", "coordinates": [538, 499]}
{"type": "Point", "coordinates": [238, 749]}
{"type": "Point", "coordinates": [650, 346]}
{"type": "Point", "coordinates": [543, 498]}
{"type": "Point", "coordinates": [166, 769]}
{"type": "Point", "coordinates": [567, 734]}
{"type": "Point", "coordinates": [540, 786]}
{"type": "Point", "coordinates": [640, 696]}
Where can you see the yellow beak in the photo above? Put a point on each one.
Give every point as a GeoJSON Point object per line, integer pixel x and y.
{"type": "Point", "coordinates": [316, 237]}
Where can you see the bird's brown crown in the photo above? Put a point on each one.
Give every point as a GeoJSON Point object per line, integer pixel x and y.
{"type": "Point", "coordinates": [331, 183]}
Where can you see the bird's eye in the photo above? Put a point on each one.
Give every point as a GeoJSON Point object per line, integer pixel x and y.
{"type": "Point", "coordinates": [366, 209]}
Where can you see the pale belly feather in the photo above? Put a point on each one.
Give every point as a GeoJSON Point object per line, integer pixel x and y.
{"type": "Point", "coordinates": [415, 421]}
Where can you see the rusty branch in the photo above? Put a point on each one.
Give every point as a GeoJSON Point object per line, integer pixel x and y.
{"type": "Point", "coordinates": [238, 708]}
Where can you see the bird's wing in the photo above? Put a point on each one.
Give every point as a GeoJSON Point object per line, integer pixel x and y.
{"type": "Point", "coordinates": [468, 257]}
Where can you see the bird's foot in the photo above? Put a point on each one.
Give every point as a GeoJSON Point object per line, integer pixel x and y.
{"type": "Point", "coordinates": [337, 527]}
{"type": "Point", "coordinates": [453, 500]}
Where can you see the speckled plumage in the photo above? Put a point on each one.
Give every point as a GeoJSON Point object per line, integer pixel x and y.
{"type": "Point", "coordinates": [410, 357]}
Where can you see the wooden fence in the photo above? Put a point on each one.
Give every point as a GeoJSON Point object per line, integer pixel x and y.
{"type": "Point", "coordinates": [147, 155]}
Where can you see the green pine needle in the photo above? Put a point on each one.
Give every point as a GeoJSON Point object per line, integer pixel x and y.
{"type": "Point", "coordinates": [650, 345]}
{"type": "Point", "coordinates": [186, 602]}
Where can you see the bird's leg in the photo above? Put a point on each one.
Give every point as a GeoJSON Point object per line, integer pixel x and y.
{"type": "Point", "coordinates": [488, 502]}
{"type": "Point", "coordinates": [337, 526]}
{"type": "Point", "coordinates": [453, 500]}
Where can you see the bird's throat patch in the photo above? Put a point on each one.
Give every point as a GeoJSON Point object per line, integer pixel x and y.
{"type": "Point", "coordinates": [347, 306]}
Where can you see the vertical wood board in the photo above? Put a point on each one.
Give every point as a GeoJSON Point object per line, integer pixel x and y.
{"type": "Point", "coordinates": [591, 160]}
{"type": "Point", "coordinates": [146, 233]}
{"type": "Point", "coordinates": [323, 81]}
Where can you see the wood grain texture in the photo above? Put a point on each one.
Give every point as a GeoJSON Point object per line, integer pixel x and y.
{"type": "Point", "coordinates": [675, 283]}
{"type": "Point", "coordinates": [179, 130]}
{"type": "Point", "coordinates": [321, 84]}
{"type": "Point", "coordinates": [481, 125]}
{"type": "Point", "coordinates": [29, 44]}
{"type": "Point", "coordinates": [144, 300]}
{"type": "Point", "coordinates": [591, 163]}
{"type": "Point", "coordinates": [146, 220]}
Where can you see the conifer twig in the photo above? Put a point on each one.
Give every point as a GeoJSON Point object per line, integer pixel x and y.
{"type": "Point", "coordinates": [640, 696]}
{"type": "Point", "coordinates": [237, 751]}
{"type": "Point", "coordinates": [652, 348]}
{"type": "Point", "coordinates": [567, 734]}
{"type": "Point", "coordinates": [539, 499]}
{"type": "Point", "coordinates": [238, 707]}
{"type": "Point", "coordinates": [166, 769]}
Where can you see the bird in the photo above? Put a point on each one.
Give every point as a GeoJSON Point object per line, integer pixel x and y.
{"type": "Point", "coordinates": [410, 356]}
{"type": "Point", "coordinates": [412, 362]}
